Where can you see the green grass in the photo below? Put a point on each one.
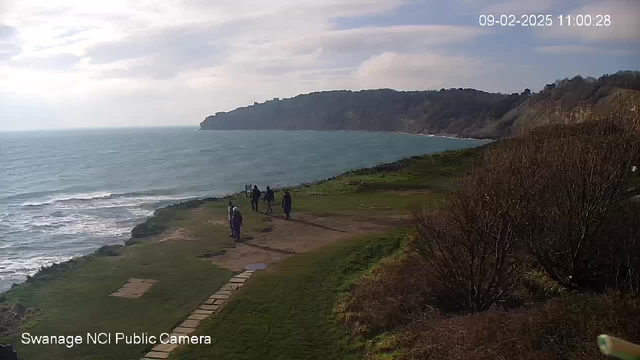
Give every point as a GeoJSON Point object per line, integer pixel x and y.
{"type": "Point", "coordinates": [74, 299]}
{"type": "Point", "coordinates": [431, 172]}
{"type": "Point", "coordinates": [287, 312]}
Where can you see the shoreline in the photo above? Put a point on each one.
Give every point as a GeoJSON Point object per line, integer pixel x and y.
{"type": "Point", "coordinates": [440, 135]}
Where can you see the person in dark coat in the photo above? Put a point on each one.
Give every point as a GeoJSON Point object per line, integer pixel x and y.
{"type": "Point", "coordinates": [255, 196]}
{"type": "Point", "coordinates": [237, 222]}
{"type": "Point", "coordinates": [269, 198]}
{"type": "Point", "coordinates": [286, 203]}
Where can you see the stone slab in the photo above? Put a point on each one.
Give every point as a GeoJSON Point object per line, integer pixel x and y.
{"type": "Point", "coordinates": [165, 347]}
{"type": "Point", "coordinates": [183, 330]}
{"type": "Point", "coordinates": [219, 297]}
{"type": "Point", "coordinates": [223, 292]}
{"type": "Point", "coordinates": [190, 323]}
{"type": "Point", "coordinates": [157, 355]}
{"type": "Point", "coordinates": [209, 301]}
{"type": "Point", "coordinates": [197, 317]}
{"type": "Point", "coordinates": [227, 287]}
{"type": "Point", "coordinates": [243, 276]}
{"type": "Point", "coordinates": [209, 307]}
{"type": "Point", "coordinates": [134, 288]}
{"type": "Point", "coordinates": [236, 280]}
{"type": "Point", "coordinates": [203, 312]}
{"type": "Point", "coordinates": [219, 302]}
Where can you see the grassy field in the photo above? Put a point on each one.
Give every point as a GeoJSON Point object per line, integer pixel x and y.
{"type": "Point", "coordinates": [283, 313]}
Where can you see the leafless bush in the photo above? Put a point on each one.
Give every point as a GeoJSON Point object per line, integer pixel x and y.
{"type": "Point", "coordinates": [470, 245]}
{"type": "Point", "coordinates": [585, 170]}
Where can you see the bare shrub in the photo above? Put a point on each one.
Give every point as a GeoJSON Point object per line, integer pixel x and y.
{"type": "Point", "coordinates": [563, 328]}
{"type": "Point", "coordinates": [393, 295]}
{"type": "Point", "coordinates": [585, 169]}
{"type": "Point", "coordinates": [470, 245]}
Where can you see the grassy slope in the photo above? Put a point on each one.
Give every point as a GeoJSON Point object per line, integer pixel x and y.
{"type": "Point", "coordinates": [74, 300]}
{"type": "Point", "coordinates": [287, 312]}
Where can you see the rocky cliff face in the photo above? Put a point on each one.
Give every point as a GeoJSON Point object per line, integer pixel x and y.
{"type": "Point", "coordinates": [460, 112]}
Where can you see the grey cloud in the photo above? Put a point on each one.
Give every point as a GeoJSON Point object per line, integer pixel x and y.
{"type": "Point", "coordinates": [186, 42]}
{"type": "Point", "coordinates": [60, 62]}
{"type": "Point", "coordinates": [7, 32]}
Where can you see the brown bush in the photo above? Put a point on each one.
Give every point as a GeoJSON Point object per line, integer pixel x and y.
{"type": "Point", "coordinates": [585, 170]}
{"type": "Point", "coordinates": [393, 295]}
{"type": "Point", "coordinates": [470, 246]}
{"type": "Point", "coordinates": [564, 328]}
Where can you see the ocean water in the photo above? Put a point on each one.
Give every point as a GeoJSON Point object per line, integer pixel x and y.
{"type": "Point", "coordinates": [66, 193]}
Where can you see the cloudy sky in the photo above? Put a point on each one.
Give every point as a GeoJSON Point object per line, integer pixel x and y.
{"type": "Point", "coordinates": [90, 63]}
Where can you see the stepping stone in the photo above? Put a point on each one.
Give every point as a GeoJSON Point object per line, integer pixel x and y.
{"type": "Point", "coordinates": [209, 307]}
{"type": "Point", "coordinates": [134, 288]}
{"type": "Point", "coordinates": [189, 324]}
{"type": "Point", "coordinates": [219, 297]}
{"type": "Point", "coordinates": [223, 292]}
{"type": "Point", "coordinates": [203, 312]}
{"type": "Point", "coordinates": [234, 286]}
{"type": "Point", "coordinates": [165, 347]}
{"type": "Point", "coordinates": [237, 280]}
{"type": "Point", "coordinates": [227, 287]}
{"type": "Point", "coordinates": [183, 330]}
{"type": "Point", "coordinates": [244, 276]}
{"type": "Point", "coordinates": [209, 301]}
{"type": "Point", "coordinates": [219, 302]}
{"type": "Point", "coordinates": [197, 317]}
{"type": "Point", "coordinates": [157, 355]}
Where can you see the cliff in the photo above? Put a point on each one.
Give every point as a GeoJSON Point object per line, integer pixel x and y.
{"type": "Point", "coordinates": [461, 112]}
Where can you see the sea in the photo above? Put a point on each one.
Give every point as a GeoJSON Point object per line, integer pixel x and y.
{"type": "Point", "coordinates": [64, 194]}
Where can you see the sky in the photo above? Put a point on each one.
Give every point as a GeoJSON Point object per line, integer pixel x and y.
{"type": "Point", "coordinates": [125, 63]}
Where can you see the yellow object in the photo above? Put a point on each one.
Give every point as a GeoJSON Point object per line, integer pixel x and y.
{"type": "Point", "coordinates": [619, 348]}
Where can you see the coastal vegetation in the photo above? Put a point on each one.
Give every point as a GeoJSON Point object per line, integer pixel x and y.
{"type": "Point", "coordinates": [460, 112]}
{"type": "Point", "coordinates": [532, 256]}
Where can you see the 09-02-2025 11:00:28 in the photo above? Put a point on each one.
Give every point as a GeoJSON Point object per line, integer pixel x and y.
{"type": "Point", "coordinates": [598, 20]}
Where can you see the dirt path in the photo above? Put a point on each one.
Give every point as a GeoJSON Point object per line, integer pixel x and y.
{"type": "Point", "coordinates": [281, 239]}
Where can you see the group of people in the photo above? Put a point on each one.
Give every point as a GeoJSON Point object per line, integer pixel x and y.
{"type": "Point", "coordinates": [235, 217]}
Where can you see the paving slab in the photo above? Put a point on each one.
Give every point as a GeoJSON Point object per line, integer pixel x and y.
{"type": "Point", "coordinates": [243, 276]}
{"type": "Point", "coordinates": [190, 323]}
{"type": "Point", "coordinates": [237, 280]}
{"type": "Point", "coordinates": [134, 288]}
{"type": "Point", "coordinates": [157, 355]}
{"type": "Point", "coordinates": [203, 312]}
{"type": "Point", "coordinates": [197, 317]}
{"type": "Point", "coordinates": [164, 347]}
{"type": "Point", "coordinates": [219, 302]}
{"type": "Point", "coordinates": [209, 301]}
{"type": "Point", "coordinates": [223, 292]}
{"type": "Point", "coordinates": [183, 330]}
{"type": "Point", "coordinates": [219, 297]}
{"type": "Point", "coordinates": [209, 307]}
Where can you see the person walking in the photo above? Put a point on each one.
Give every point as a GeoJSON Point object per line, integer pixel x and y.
{"type": "Point", "coordinates": [269, 198]}
{"type": "Point", "coordinates": [255, 196]}
{"type": "Point", "coordinates": [237, 222]}
{"type": "Point", "coordinates": [230, 217]}
{"type": "Point", "coordinates": [286, 203]}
